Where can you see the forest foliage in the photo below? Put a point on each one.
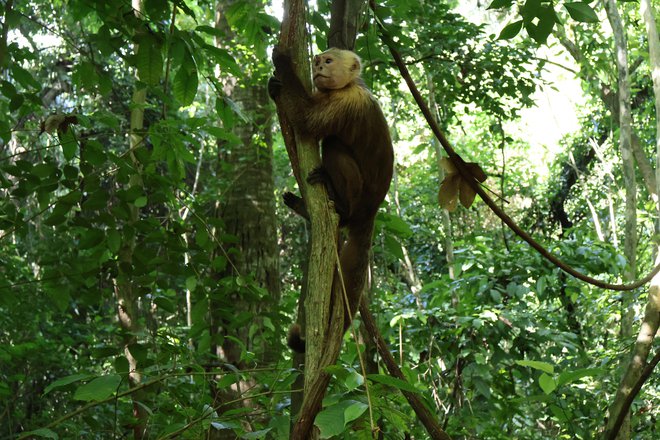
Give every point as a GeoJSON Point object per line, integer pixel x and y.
{"type": "Point", "coordinates": [137, 138]}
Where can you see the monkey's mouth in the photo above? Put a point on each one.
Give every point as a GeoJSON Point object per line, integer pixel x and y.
{"type": "Point", "coordinates": [318, 75]}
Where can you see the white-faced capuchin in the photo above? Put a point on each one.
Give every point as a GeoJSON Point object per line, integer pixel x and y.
{"type": "Point", "coordinates": [357, 155]}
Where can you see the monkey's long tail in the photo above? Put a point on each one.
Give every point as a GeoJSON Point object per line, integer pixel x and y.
{"type": "Point", "coordinates": [354, 260]}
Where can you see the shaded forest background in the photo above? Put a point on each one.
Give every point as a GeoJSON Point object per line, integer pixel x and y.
{"type": "Point", "coordinates": [149, 271]}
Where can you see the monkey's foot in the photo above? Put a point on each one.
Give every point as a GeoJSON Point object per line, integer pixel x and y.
{"type": "Point", "coordinates": [297, 204]}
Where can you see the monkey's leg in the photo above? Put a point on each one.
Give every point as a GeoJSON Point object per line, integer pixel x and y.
{"type": "Point", "coordinates": [344, 175]}
{"type": "Point", "coordinates": [296, 204]}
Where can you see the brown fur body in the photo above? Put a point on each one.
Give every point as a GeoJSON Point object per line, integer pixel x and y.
{"type": "Point", "coordinates": [357, 155]}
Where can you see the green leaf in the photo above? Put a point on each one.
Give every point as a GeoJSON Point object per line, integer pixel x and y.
{"type": "Point", "coordinates": [44, 170]}
{"type": "Point", "coordinates": [355, 410]}
{"type": "Point", "coordinates": [353, 380]}
{"type": "Point", "coordinates": [69, 143]}
{"type": "Point", "coordinates": [24, 77]}
{"type": "Point", "coordinates": [510, 30]}
{"type": "Point", "coordinates": [213, 31]}
{"type": "Point", "coordinates": [397, 225]}
{"type": "Point", "coordinates": [394, 247]}
{"type": "Point", "coordinates": [71, 198]}
{"type": "Point", "coordinates": [393, 382]}
{"type": "Point", "coordinates": [331, 421]}
{"type": "Point", "coordinates": [59, 383]}
{"type": "Point", "coordinates": [256, 434]}
{"type": "Point", "coordinates": [113, 240]}
{"type": "Point", "coordinates": [149, 59]}
{"type": "Point", "coordinates": [547, 383]}
{"type": "Point", "coordinates": [91, 238]}
{"type": "Point", "coordinates": [185, 85]}
{"type": "Point", "coordinates": [580, 11]}
{"type": "Point", "coordinates": [98, 389]}
{"type": "Point", "coordinates": [497, 4]}
{"type": "Point", "coordinates": [572, 376]}
{"type": "Point", "coordinates": [165, 304]}
{"type": "Point", "coordinates": [537, 365]}
{"type": "Point", "coordinates": [224, 59]}
{"type": "Point", "coordinates": [43, 432]}
{"type": "Point", "coordinates": [140, 202]}
{"type": "Point", "coordinates": [60, 296]}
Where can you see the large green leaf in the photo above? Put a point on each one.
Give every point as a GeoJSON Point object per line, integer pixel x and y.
{"type": "Point", "coordinates": [69, 143]}
{"type": "Point", "coordinates": [393, 382]}
{"type": "Point", "coordinates": [547, 383]}
{"type": "Point", "coordinates": [185, 85]}
{"type": "Point", "coordinates": [149, 59]}
{"type": "Point", "coordinates": [510, 30]}
{"type": "Point", "coordinates": [581, 11]}
{"type": "Point", "coordinates": [333, 419]}
{"type": "Point", "coordinates": [59, 383]}
{"type": "Point", "coordinates": [537, 365]}
{"type": "Point", "coordinates": [572, 376]}
{"type": "Point", "coordinates": [98, 389]}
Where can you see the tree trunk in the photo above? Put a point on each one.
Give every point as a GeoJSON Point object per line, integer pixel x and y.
{"type": "Point", "coordinates": [323, 334]}
{"type": "Point", "coordinates": [247, 209]}
{"type": "Point", "coordinates": [651, 320]}
{"type": "Point", "coordinates": [125, 290]}
{"type": "Point", "coordinates": [630, 232]}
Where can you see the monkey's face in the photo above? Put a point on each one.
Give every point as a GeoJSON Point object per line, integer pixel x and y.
{"type": "Point", "coordinates": [335, 69]}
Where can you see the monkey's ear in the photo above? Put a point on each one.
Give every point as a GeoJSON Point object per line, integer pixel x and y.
{"type": "Point", "coordinates": [356, 66]}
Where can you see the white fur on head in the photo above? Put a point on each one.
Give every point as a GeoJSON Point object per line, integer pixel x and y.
{"type": "Point", "coordinates": [336, 68]}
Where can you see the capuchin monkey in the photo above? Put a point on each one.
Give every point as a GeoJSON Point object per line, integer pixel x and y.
{"type": "Point", "coordinates": [357, 156]}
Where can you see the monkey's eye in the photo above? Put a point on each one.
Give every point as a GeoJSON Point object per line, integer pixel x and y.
{"type": "Point", "coordinates": [328, 60]}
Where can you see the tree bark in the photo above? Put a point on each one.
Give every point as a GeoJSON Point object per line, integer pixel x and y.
{"type": "Point", "coordinates": [344, 23]}
{"type": "Point", "coordinates": [248, 207]}
{"type": "Point", "coordinates": [651, 321]}
{"type": "Point", "coordinates": [630, 231]}
{"type": "Point", "coordinates": [323, 306]}
{"type": "Point", "coordinates": [125, 291]}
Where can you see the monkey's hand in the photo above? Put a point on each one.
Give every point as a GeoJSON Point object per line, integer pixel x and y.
{"type": "Point", "coordinates": [274, 87]}
{"type": "Point", "coordinates": [282, 61]}
{"type": "Point", "coordinates": [318, 176]}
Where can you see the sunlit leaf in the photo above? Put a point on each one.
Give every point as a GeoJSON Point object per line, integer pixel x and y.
{"type": "Point", "coordinates": [547, 383]}
{"type": "Point", "coordinates": [511, 30]}
{"type": "Point", "coordinates": [537, 365]}
{"type": "Point", "coordinates": [581, 11]}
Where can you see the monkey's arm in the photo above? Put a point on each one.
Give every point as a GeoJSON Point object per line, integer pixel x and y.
{"type": "Point", "coordinates": [287, 88]}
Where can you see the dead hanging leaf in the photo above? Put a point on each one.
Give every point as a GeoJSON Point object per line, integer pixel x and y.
{"type": "Point", "coordinates": [454, 187]}
{"type": "Point", "coordinates": [57, 122]}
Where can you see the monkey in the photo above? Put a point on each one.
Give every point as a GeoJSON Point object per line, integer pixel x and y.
{"type": "Point", "coordinates": [356, 156]}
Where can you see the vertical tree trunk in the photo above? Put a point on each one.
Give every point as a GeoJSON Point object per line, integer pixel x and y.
{"type": "Point", "coordinates": [323, 335]}
{"type": "Point", "coordinates": [125, 291]}
{"type": "Point", "coordinates": [248, 208]}
{"type": "Point", "coordinates": [630, 231]}
{"type": "Point", "coordinates": [651, 320]}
